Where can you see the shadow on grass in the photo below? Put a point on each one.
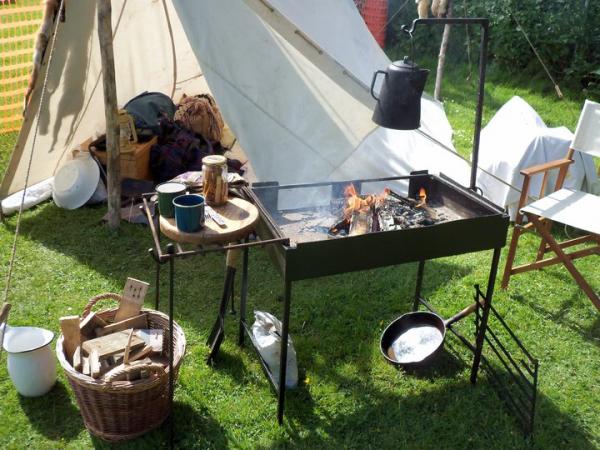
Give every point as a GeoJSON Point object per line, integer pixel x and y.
{"type": "Point", "coordinates": [559, 314]}
{"type": "Point", "coordinates": [193, 429]}
{"type": "Point", "coordinates": [81, 234]}
{"type": "Point", "coordinates": [455, 415]}
{"type": "Point", "coordinates": [53, 415]}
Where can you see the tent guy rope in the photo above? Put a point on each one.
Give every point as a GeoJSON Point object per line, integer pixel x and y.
{"type": "Point", "coordinates": [36, 130]}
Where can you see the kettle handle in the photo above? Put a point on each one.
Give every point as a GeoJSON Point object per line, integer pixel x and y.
{"type": "Point", "coordinates": [373, 83]}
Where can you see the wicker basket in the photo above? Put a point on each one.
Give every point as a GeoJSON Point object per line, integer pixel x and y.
{"type": "Point", "coordinates": [123, 410]}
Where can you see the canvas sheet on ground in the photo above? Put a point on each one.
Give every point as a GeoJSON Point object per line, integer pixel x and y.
{"type": "Point", "coordinates": [295, 122]}
{"type": "Point", "coordinates": [517, 138]}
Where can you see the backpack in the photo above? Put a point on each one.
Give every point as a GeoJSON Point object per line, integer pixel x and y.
{"type": "Point", "coordinates": [147, 109]}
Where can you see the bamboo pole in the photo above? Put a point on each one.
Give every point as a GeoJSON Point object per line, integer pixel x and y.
{"type": "Point", "coordinates": [110, 112]}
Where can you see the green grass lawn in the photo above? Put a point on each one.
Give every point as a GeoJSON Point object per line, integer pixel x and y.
{"type": "Point", "coordinates": [349, 397]}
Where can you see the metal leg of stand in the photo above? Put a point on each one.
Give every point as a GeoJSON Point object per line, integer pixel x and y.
{"type": "Point", "coordinates": [157, 284]}
{"type": "Point", "coordinates": [232, 293]}
{"type": "Point", "coordinates": [243, 295]}
{"type": "Point", "coordinates": [484, 316]}
{"type": "Point", "coordinates": [171, 251]}
{"type": "Point", "coordinates": [218, 331]}
{"type": "Point", "coordinates": [287, 294]}
{"type": "Point", "coordinates": [156, 219]}
{"type": "Point", "coordinates": [419, 285]}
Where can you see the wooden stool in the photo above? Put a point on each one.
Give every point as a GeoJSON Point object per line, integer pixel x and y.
{"type": "Point", "coordinates": [240, 219]}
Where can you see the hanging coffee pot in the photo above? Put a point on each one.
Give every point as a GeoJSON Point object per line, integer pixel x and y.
{"type": "Point", "coordinates": [399, 101]}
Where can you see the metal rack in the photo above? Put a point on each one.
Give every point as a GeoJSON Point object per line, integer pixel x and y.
{"type": "Point", "coordinates": [518, 389]}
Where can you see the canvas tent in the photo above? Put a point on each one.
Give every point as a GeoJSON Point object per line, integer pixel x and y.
{"type": "Point", "coordinates": [291, 79]}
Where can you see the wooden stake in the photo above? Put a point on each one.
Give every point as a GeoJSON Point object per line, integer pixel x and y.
{"type": "Point", "coordinates": [110, 112]}
{"type": "Point", "coordinates": [437, 92]}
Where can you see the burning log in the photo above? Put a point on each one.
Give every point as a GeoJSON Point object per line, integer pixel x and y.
{"type": "Point", "coordinates": [385, 212]}
{"type": "Point", "coordinates": [361, 222]}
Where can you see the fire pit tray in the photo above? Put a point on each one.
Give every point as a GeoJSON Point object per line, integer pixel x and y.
{"type": "Point", "coordinates": [480, 225]}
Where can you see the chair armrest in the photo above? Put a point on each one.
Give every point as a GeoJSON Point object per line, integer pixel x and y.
{"type": "Point", "coordinates": [539, 168]}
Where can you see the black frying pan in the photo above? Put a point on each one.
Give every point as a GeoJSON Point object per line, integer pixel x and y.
{"type": "Point", "coordinates": [414, 339]}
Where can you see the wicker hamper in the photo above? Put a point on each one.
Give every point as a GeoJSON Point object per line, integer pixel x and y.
{"type": "Point", "coordinates": [122, 410]}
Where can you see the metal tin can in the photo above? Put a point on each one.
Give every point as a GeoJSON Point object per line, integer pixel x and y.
{"type": "Point", "coordinates": [214, 180]}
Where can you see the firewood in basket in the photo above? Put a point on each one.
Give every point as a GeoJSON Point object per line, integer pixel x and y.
{"type": "Point", "coordinates": [94, 361]}
{"type": "Point", "coordinates": [77, 363]}
{"type": "Point", "coordinates": [105, 366]}
{"type": "Point", "coordinates": [116, 359]}
{"type": "Point", "coordinates": [85, 365]}
{"type": "Point", "coordinates": [111, 344]}
{"type": "Point", "coordinates": [147, 350]}
{"type": "Point", "coordinates": [132, 300]}
{"type": "Point", "coordinates": [90, 323]}
{"type": "Point", "coordinates": [69, 326]}
{"type": "Point", "coordinates": [140, 321]}
{"type": "Point", "coordinates": [127, 348]}
{"type": "Point", "coordinates": [153, 337]}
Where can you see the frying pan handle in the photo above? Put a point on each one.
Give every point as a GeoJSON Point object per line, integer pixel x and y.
{"type": "Point", "coordinates": [373, 83]}
{"type": "Point", "coordinates": [462, 314]}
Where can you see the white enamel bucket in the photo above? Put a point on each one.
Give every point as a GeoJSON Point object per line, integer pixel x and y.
{"type": "Point", "coordinates": [31, 363]}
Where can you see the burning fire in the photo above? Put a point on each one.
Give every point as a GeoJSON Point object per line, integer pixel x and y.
{"type": "Point", "coordinates": [356, 203]}
{"type": "Point", "coordinates": [361, 213]}
{"type": "Point", "coordinates": [422, 197]}
{"type": "Point", "coordinates": [363, 204]}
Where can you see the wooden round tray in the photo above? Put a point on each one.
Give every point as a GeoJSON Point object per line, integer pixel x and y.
{"type": "Point", "coordinates": [240, 219]}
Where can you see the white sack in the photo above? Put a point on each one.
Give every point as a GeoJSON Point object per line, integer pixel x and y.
{"type": "Point", "coordinates": [266, 333]}
{"type": "Point", "coordinates": [517, 138]}
{"type": "Point", "coordinates": [34, 195]}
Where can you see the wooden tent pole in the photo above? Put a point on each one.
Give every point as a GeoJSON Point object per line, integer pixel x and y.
{"type": "Point", "coordinates": [110, 112]}
{"type": "Point", "coordinates": [439, 76]}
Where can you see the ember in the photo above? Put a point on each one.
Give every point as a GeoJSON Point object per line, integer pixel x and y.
{"type": "Point", "coordinates": [388, 211]}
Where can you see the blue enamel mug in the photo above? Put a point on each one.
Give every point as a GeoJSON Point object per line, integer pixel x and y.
{"type": "Point", "coordinates": [189, 212]}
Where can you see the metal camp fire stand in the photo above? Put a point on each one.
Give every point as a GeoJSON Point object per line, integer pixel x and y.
{"type": "Point", "coordinates": [288, 266]}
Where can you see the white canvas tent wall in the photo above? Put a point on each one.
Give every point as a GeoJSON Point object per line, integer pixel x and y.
{"type": "Point", "coordinates": [290, 78]}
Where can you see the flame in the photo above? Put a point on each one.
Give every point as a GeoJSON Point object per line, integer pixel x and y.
{"type": "Point", "coordinates": [357, 203]}
{"type": "Point", "coordinates": [422, 197]}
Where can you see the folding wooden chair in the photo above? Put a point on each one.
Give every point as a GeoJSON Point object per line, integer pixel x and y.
{"type": "Point", "coordinates": [567, 206]}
